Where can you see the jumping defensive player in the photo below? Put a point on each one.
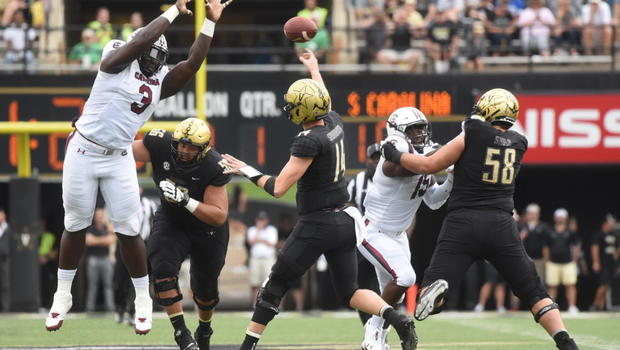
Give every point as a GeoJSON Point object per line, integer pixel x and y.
{"type": "Point", "coordinates": [191, 221]}
{"type": "Point", "coordinates": [327, 226]}
{"type": "Point", "coordinates": [390, 207]}
{"type": "Point", "coordinates": [479, 225]}
{"type": "Point", "coordinates": [132, 79]}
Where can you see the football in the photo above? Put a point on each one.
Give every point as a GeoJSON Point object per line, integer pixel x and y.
{"type": "Point", "coordinates": [300, 29]}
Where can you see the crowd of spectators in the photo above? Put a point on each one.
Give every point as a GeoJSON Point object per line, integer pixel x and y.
{"type": "Point", "coordinates": [446, 31]}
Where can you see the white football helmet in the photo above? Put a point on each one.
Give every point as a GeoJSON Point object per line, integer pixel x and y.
{"type": "Point", "coordinates": [410, 123]}
{"type": "Point", "coordinates": [155, 58]}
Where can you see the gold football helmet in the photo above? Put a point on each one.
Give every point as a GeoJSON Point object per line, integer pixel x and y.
{"type": "Point", "coordinates": [306, 101]}
{"type": "Point", "coordinates": [498, 105]}
{"type": "Point", "coordinates": [195, 132]}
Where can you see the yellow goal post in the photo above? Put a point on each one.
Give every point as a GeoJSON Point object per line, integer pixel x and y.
{"type": "Point", "coordinates": [23, 130]}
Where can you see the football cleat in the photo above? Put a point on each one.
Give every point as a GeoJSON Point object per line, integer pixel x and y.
{"type": "Point", "coordinates": [62, 304]}
{"type": "Point", "coordinates": [143, 320]}
{"type": "Point", "coordinates": [405, 328]}
{"type": "Point", "coordinates": [184, 339]}
{"type": "Point", "coordinates": [427, 303]}
{"type": "Point", "coordinates": [384, 341]}
{"type": "Point", "coordinates": [203, 339]}
{"type": "Point", "coordinates": [373, 337]}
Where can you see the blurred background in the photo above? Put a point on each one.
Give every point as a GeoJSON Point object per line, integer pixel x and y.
{"type": "Point", "coordinates": [557, 56]}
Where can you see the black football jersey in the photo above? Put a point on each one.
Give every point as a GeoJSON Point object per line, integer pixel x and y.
{"type": "Point", "coordinates": [323, 185]}
{"type": "Point", "coordinates": [484, 175]}
{"type": "Point", "coordinates": [209, 171]}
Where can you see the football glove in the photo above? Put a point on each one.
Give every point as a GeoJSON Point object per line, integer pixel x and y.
{"type": "Point", "coordinates": [174, 194]}
{"type": "Point", "coordinates": [450, 173]}
{"type": "Point", "coordinates": [389, 152]}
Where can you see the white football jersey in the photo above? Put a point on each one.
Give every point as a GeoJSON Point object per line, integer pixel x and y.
{"type": "Point", "coordinates": [392, 201]}
{"type": "Point", "coordinates": [119, 104]}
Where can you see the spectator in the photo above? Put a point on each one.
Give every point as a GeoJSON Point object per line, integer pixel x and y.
{"type": "Point", "coordinates": [262, 239]}
{"type": "Point", "coordinates": [427, 9]}
{"type": "Point", "coordinates": [605, 250]}
{"type": "Point", "coordinates": [135, 22]}
{"type": "Point", "coordinates": [560, 253]}
{"type": "Point", "coordinates": [454, 8]}
{"type": "Point", "coordinates": [515, 7]}
{"type": "Point", "coordinates": [535, 22]}
{"type": "Point", "coordinates": [486, 11]}
{"type": "Point", "coordinates": [565, 29]}
{"type": "Point", "coordinates": [102, 27]}
{"type": "Point", "coordinates": [284, 230]}
{"type": "Point", "coordinates": [596, 16]}
{"type": "Point", "coordinates": [39, 15]}
{"type": "Point", "coordinates": [263, 42]}
{"type": "Point", "coordinates": [11, 7]}
{"type": "Point", "coordinates": [398, 47]}
{"type": "Point", "coordinates": [19, 39]}
{"type": "Point", "coordinates": [476, 48]}
{"type": "Point", "coordinates": [442, 41]}
{"type": "Point", "coordinates": [376, 37]}
{"type": "Point", "coordinates": [319, 44]}
{"type": "Point", "coordinates": [414, 18]}
{"type": "Point", "coordinates": [574, 5]}
{"type": "Point", "coordinates": [48, 263]}
{"type": "Point", "coordinates": [313, 12]}
{"type": "Point", "coordinates": [366, 12]}
{"type": "Point", "coordinates": [534, 234]}
{"type": "Point", "coordinates": [99, 265]}
{"type": "Point", "coordinates": [492, 279]}
{"type": "Point", "coordinates": [501, 25]}
{"type": "Point", "coordinates": [391, 7]}
{"type": "Point", "coordinates": [5, 252]}
{"type": "Point", "coordinates": [87, 52]}
{"type": "Point", "coordinates": [614, 6]}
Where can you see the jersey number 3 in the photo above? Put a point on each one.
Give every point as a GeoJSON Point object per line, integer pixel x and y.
{"type": "Point", "coordinates": [146, 100]}
{"type": "Point", "coordinates": [508, 170]}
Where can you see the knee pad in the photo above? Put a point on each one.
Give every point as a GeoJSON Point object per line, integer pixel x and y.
{"type": "Point", "coordinates": [165, 286]}
{"type": "Point", "coordinates": [209, 307]}
{"type": "Point", "coordinates": [544, 310]}
{"type": "Point", "coordinates": [128, 227]}
{"type": "Point", "coordinates": [406, 279]}
{"type": "Point", "coordinates": [540, 295]}
{"type": "Point", "coordinates": [269, 298]}
{"type": "Point", "coordinates": [74, 223]}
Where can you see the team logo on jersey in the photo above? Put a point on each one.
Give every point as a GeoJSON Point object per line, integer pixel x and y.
{"type": "Point", "coordinates": [79, 150]}
{"type": "Point", "coordinates": [166, 166]}
{"type": "Point", "coordinates": [124, 153]}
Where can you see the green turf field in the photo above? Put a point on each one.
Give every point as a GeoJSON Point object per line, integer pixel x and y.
{"type": "Point", "coordinates": [319, 331]}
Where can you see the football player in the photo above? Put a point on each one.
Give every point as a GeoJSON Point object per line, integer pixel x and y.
{"type": "Point", "coordinates": [479, 225]}
{"type": "Point", "coordinates": [191, 221]}
{"type": "Point", "coordinates": [390, 207]}
{"type": "Point", "coordinates": [327, 226]}
{"type": "Point", "coordinates": [132, 79]}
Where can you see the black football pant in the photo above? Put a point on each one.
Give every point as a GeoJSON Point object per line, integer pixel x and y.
{"type": "Point", "coordinates": [322, 232]}
{"type": "Point", "coordinates": [170, 245]}
{"type": "Point", "coordinates": [468, 235]}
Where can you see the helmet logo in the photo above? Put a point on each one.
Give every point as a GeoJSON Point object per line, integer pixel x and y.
{"type": "Point", "coordinates": [188, 128]}
{"type": "Point", "coordinates": [303, 96]}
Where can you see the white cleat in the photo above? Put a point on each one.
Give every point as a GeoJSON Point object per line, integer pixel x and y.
{"type": "Point", "coordinates": [428, 301]}
{"type": "Point", "coordinates": [373, 337]}
{"type": "Point", "coordinates": [62, 304]}
{"type": "Point", "coordinates": [385, 332]}
{"type": "Point", "coordinates": [143, 321]}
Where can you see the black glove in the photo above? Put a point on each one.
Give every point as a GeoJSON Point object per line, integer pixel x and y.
{"type": "Point", "coordinates": [389, 152]}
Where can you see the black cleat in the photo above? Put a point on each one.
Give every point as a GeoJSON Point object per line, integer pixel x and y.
{"type": "Point", "coordinates": [203, 339]}
{"type": "Point", "coordinates": [405, 328]}
{"type": "Point", "coordinates": [427, 303]}
{"type": "Point", "coordinates": [184, 339]}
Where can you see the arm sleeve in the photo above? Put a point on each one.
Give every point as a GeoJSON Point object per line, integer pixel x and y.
{"type": "Point", "coordinates": [304, 146]}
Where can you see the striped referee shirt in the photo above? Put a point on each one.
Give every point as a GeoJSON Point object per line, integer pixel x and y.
{"type": "Point", "coordinates": [358, 187]}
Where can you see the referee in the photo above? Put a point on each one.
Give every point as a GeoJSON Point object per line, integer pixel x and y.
{"type": "Point", "coordinates": [358, 187]}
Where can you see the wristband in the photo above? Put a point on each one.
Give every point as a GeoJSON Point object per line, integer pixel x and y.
{"type": "Point", "coordinates": [171, 13]}
{"type": "Point", "coordinates": [192, 205]}
{"type": "Point", "coordinates": [251, 173]}
{"type": "Point", "coordinates": [208, 27]}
